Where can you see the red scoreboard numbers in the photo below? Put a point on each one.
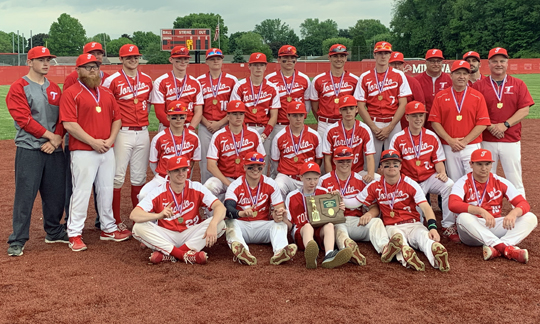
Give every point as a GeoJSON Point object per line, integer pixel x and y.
{"type": "Point", "coordinates": [193, 39]}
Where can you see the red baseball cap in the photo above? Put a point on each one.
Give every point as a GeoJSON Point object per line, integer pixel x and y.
{"type": "Point", "coordinates": [296, 108]}
{"type": "Point", "coordinates": [310, 167]}
{"type": "Point", "coordinates": [347, 101]}
{"type": "Point", "coordinates": [397, 57]}
{"type": "Point", "coordinates": [257, 58]}
{"type": "Point", "coordinates": [84, 59]}
{"type": "Point", "coordinates": [415, 107]}
{"type": "Point", "coordinates": [177, 162]}
{"type": "Point", "coordinates": [434, 53]}
{"type": "Point", "coordinates": [287, 50]}
{"type": "Point", "coordinates": [38, 52]}
{"type": "Point", "coordinates": [497, 51]}
{"type": "Point", "coordinates": [93, 46]}
{"type": "Point", "coordinates": [211, 53]}
{"type": "Point", "coordinates": [254, 158]}
{"type": "Point", "coordinates": [177, 107]}
{"type": "Point", "coordinates": [471, 54]}
{"type": "Point", "coordinates": [129, 50]}
{"type": "Point", "coordinates": [236, 106]}
{"type": "Point", "coordinates": [337, 49]}
{"type": "Point", "coordinates": [180, 51]}
{"type": "Point", "coordinates": [481, 155]}
{"type": "Point", "coordinates": [390, 155]}
{"type": "Point", "coordinates": [343, 153]}
{"type": "Point", "coordinates": [382, 47]}
{"type": "Point", "coordinates": [460, 65]}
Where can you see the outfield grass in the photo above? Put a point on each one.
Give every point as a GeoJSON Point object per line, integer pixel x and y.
{"type": "Point", "coordinates": [7, 130]}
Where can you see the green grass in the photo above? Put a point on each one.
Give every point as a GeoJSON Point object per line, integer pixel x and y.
{"type": "Point", "coordinates": [7, 129]}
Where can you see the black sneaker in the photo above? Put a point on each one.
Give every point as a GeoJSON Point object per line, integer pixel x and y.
{"type": "Point", "coordinates": [15, 250]}
{"type": "Point", "coordinates": [336, 258]}
{"type": "Point", "coordinates": [62, 239]}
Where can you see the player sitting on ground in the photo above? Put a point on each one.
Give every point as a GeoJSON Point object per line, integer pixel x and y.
{"type": "Point", "coordinates": [168, 219]}
{"type": "Point", "coordinates": [303, 233]}
{"type": "Point", "coordinates": [478, 198]}
{"type": "Point", "coordinates": [249, 200]}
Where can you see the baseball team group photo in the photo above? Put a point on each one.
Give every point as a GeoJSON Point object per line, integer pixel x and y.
{"type": "Point", "coordinates": [247, 177]}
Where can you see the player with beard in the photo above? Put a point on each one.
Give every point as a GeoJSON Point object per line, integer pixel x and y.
{"type": "Point", "coordinates": [473, 59]}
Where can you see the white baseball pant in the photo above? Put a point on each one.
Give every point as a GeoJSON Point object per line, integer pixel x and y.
{"type": "Point", "coordinates": [457, 163]}
{"type": "Point", "coordinates": [287, 184]}
{"type": "Point", "coordinates": [374, 232]}
{"type": "Point", "coordinates": [133, 148]}
{"type": "Point", "coordinates": [386, 143]}
{"type": "Point", "coordinates": [147, 188]}
{"type": "Point", "coordinates": [257, 232]}
{"type": "Point", "coordinates": [164, 240]}
{"type": "Point", "coordinates": [509, 154]}
{"type": "Point", "coordinates": [436, 186]}
{"type": "Point", "coordinates": [87, 168]}
{"type": "Point", "coordinates": [416, 236]}
{"type": "Point", "coordinates": [274, 164]}
{"type": "Point", "coordinates": [216, 187]}
{"type": "Point", "coordinates": [472, 230]}
{"type": "Point", "coordinates": [204, 137]}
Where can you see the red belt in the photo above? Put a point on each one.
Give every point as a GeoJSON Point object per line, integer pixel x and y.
{"type": "Point", "coordinates": [328, 120]}
{"type": "Point", "coordinates": [134, 128]}
{"type": "Point", "coordinates": [382, 119]}
{"type": "Point", "coordinates": [255, 125]}
{"type": "Point", "coordinates": [404, 222]}
{"type": "Point", "coordinates": [283, 124]}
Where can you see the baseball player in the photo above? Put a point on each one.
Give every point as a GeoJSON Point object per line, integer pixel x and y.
{"type": "Point", "coordinates": [382, 95]}
{"type": "Point", "coordinates": [293, 86]}
{"type": "Point", "coordinates": [473, 58]}
{"type": "Point", "coordinates": [178, 85]}
{"type": "Point", "coordinates": [249, 201]}
{"type": "Point", "coordinates": [33, 103]}
{"type": "Point", "coordinates": [508, 101]}
{"type": "Point", "coordinates": [350, 184]}
{"type": "Point", "coordinates": [354, 134]}
{"type": "Point", "coordinates": [478, 199]}
{"type": "Point", "coordinates": [423, 161]}
{"type": "Point", "coordinates": [171, 142]}
{"type": "Point", "coordinates": [131, 89]}
{"type": "Point", "coordinates": [293, 146]}
{"type": "Point", "coordinates": [261, 98]}
{"type": "Point", "coordinates": [397, 197]}
{"type": "Point", "coordinates": [228, 148]}
{"type": "Point", "coordinates": [167, 220]}
{"type": "Point", "coordinates": [459, 116]}
{"type": "Point", "coordinates": [327, 87]}
{"type": "Point", "coordinates": [307, 237]}
{"type": "Point", "coordinates": [90, 114]}
{"type": "Point", "coordinates": [216, 90]}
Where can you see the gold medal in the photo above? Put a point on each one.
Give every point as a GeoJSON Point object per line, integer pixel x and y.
{"type": "Point", "coordinates": [254, 110]}
{"type": "Point", "coordinates": [255, 213]}
{"type": "Point", "coordinates": [336, 100]}
{"type": "Point", "coordinates": [180, 220]}
{"type": "Point", "coordinates": [331, 212]}
{"type": "Point", "coordinates": [237, 161]}
{"type": "Point", "coordinates": [499, 105]}
{"type": "Point", "coordinates": [289, 99]}
{"type": "Point", "coordinates": [418, 162]}
{"type": "Point", "coordinates": [392, 214]}
{"type": "Point", "coordinates": [380, 97]}
{"type": "Point", "coordinates": [459, 117]}
{"type": "Point", "coordinates": [295, 159]}
{"type": "Point", "coordinates": [98, 109]}
{"type": "Point", "coordinates": [214, 102]}
{"type": "Point", "coordinates": [136, 101]}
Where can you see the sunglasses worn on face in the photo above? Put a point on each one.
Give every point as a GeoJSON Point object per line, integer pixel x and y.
{"type": "Point", "coordinates": [175, 117]}
{"type": "Point", "coordinates": [256, 168]}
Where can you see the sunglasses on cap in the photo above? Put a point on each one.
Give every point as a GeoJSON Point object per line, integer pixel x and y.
{"type": "Point", "coordinates": [214, 52]}
{"type": "Point", "coordinates": [255, 159]}
{"type": "Point", "coordinates": [256, 168]}
{"type": "Point", "coordinates": [390, 156]}
{"type": "Point", "coordinates": [177, 109]}
{"type": "Point", "coordinates": [344, 154]}
{"type": "Point", "coordinates": [175, 117]}
{"type": "Point", "coordinates": [338, 50]}
{"type": "Point", "coordinates": [384, 46]}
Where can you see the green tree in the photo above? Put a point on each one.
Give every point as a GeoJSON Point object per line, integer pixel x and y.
{"type": "Point", "coordinates": [252, 42]}
{"type": "Point", "coordinates": [360, 50]}
{"type": "Point", "coordinates": [101, 38]}
{"type": "Point", "coordinates": [6, 43]}
{"type": "Point", "coordinates": [154, 55]}
{"type": "Point", "coordinates": [274, 30]}
{"type": "Point", "coordinates": [66, 36]}
{"type": "Point", "coordinates": [327, 43]}
{"type": "Point", "coordinates": [369, 28]}
{"type": "Point", "coordinates": [310, 46]}
{"type": "Point", "coordinates": [113, 47]}
{"type": "Point", "coordinates": [144, 39]}
{"type": "Point", "coordinates": [319, 29]}
{"type": "Point", "coordinates": [345, 33]}
{"type": "Point", "coordinates": [238, 57]}
{"type": "Point", "coordinates": [232, 41]}
{"type": "Point", "coordinates": [206, 20]}
{"type": "Point", "coordinates": [37, 40]}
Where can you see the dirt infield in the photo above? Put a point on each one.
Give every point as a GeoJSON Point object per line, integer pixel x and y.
{"type": "Point", "coordinates": [112, 282]}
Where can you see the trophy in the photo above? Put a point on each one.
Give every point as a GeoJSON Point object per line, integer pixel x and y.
{"type": "Point", "coordinates": [324, 209]}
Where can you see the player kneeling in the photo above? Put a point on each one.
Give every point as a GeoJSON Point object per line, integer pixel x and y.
{"type": "Point", "coordinates": [397, 196]}
{"type": "Point", "coordinates": [248, 201]}
{"type": "Point", "coordinates": [478, 198]}
{"type": "Point", "coordinates": [167, 220]}
{"type": "Point", "coordinates": [303, 233]}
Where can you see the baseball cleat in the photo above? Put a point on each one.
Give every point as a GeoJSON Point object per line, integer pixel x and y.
{"type": "Point", "coordinates": [242, 254]}
{"type": "Point", "coordinates": [116, 236]}
{"type": "Point", "coordinates": [516, 254]}
{"type": "Point", "coordinates": [158, 257]}
{"type": "Point", "coordinates": [63, 239]}
{"type": "Point", "coordinates": [15, 250]}
{"type": "Point", "coordinates": [337, 258]}
{"type": "Point", "coordinates": [490, 253]}
{"type": "Point", "coordinates": [76, 244]}
{"type": "Point", "coordinates": [357, 257]}
{"type": "Point", "coordinates": [195, 257]}
{"type": "Point", "coordinates": [311, 253]}
{"type": "Point", "coordinates": [284, 254]}
{"type": "Point", "coordinates": [122, 228]}
{"type": "Point", "coordinates": [412, 259]}
{"type": "Point", "coordinates": [451, 233]}
{"type": "Point", "coordinates": [441, 255]}
{"type": "Point", "coordinates": [393, 247]}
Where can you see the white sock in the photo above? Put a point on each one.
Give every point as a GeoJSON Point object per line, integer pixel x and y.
{"type": "Point", "coordinates": [328, 252]}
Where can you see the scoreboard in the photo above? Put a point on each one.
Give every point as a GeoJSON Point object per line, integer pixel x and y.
{"type": "Point", "coordinates": [193, 39]}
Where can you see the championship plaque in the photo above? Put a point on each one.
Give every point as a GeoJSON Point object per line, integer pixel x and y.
{"type": "Point", "coordinates": [323, 209]}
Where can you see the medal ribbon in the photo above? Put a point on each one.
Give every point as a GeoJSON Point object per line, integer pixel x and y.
{"type": "Point", "coordinates": [97, 89]}
{"type": "Point", "coordinates": [287, 88]}
{"type": "Point", "coordinates": [214, 92]}
{"type": "Point", "coordinates": [296, 147]}
{"type": "Point", "coordinates": [416, 151]}
{"type": "Point", "coordinates": [336, 92]}
{"type": "Point", "coordinates": [349, 142]}
{"type": "Point", "coordinates": [174, 142]}
{"type": "Point", "coordinates": [237, 149]}
{"type": "Point", "coordinates": [379, 85]}
{"type": "Point", "coordinates": [253, 92]}
{"type": "Point", "coordinates": [392, 194]}
{"type": "Point", "coordinates": [344, 189]}
{"type": "Point", "coordinates": [129, 83]}
{"type": "Point", "coordinates": [178, 96]}
{"type": "Point", "coordinates": [178, 206]}
{"type": "Point", "coordinates": [304, 201]}
{"type": "Point", "coordinates": [460, 105]}
{"type": "Point", "coordinates": [253, 200]}
{"type": "Point", "coordinates": [478, 199]}
{"type": "Point", "coordinates": [499, 90]}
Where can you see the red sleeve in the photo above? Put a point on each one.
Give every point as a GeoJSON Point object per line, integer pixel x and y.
{"type": "Point", "coordinates": [417, 91]}
{"type": "Point", "coordinates": [482, 116]}
{"type": "Point", "coordinates": [161, 114]}
{"type": "Point", "coordinates": [69, 81]}
{"type": "Point", "coordinates": [520, 202]}
{"type": "Point", "coordinates": [116, 110]}
{"type": "Point", "coordinates": [457, 205]}
{"type": "Point", "coordinates": [435, 112]}
{"type": "Point", "coordinates": [68, 108]}
{"type": "Point", "coordinates": [20, 111]}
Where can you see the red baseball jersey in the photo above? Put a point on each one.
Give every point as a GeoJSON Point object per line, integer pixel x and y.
{"type": "Point", "coordinates": [349, 188]}
{"type": "Point", "coordinates": [194, 196]}
{"type": "Point", "coordinates": [515, 96]}
{"type": "Point", "coordinates": [417, 95]}
{"type": "Point", "coordinates": [258, 112]}
{"type": "Point", "coordinates": [460, 124]}
{"type": "Point", "coordinates": [283, 149]}
{"type": "Point", "coordinates": [294, 87]}
{"type": "Point", "coordinates": [431, 86]}
{"type": "Point", "coordinates": [79, 105]}
{"type": "Point", "coordinates": [222, 149]}
{"type": "Point", "coordinates": [407, 195]}
{"type": "Point", "coordinates": [467, 191]}
{"type": "Point", "coordinates": [395, 86]}
{"type": "Point", "coordinates": [323, 89]}
{"type": "Point", "coordinates": [430, 152]}
{"type": "Point", "coordinates": [260, 198]}
{"type": "Point", "coordinates": [71, 79]}
{"type": "Point", "coordinates": [216, 100]}
{"type": "Point", "coordinates": [362, 142]}
{"type": "Point", "coordinates": [162, 148]}
{"type": "Point", "coordinates": [470, 83]}
{"type": "Point", "coordinates": [295, 204]}
{"type": "Point", "coordinates": [124, 89]}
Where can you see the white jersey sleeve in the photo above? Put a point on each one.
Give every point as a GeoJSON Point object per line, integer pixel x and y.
{"type": "Point", "coordinates": [208, 196]}
{"type": "Point", "coordinates": [359, 93]}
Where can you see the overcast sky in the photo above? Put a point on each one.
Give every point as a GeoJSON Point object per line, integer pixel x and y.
{"type": "Point", "coordinates": [118, 17]}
